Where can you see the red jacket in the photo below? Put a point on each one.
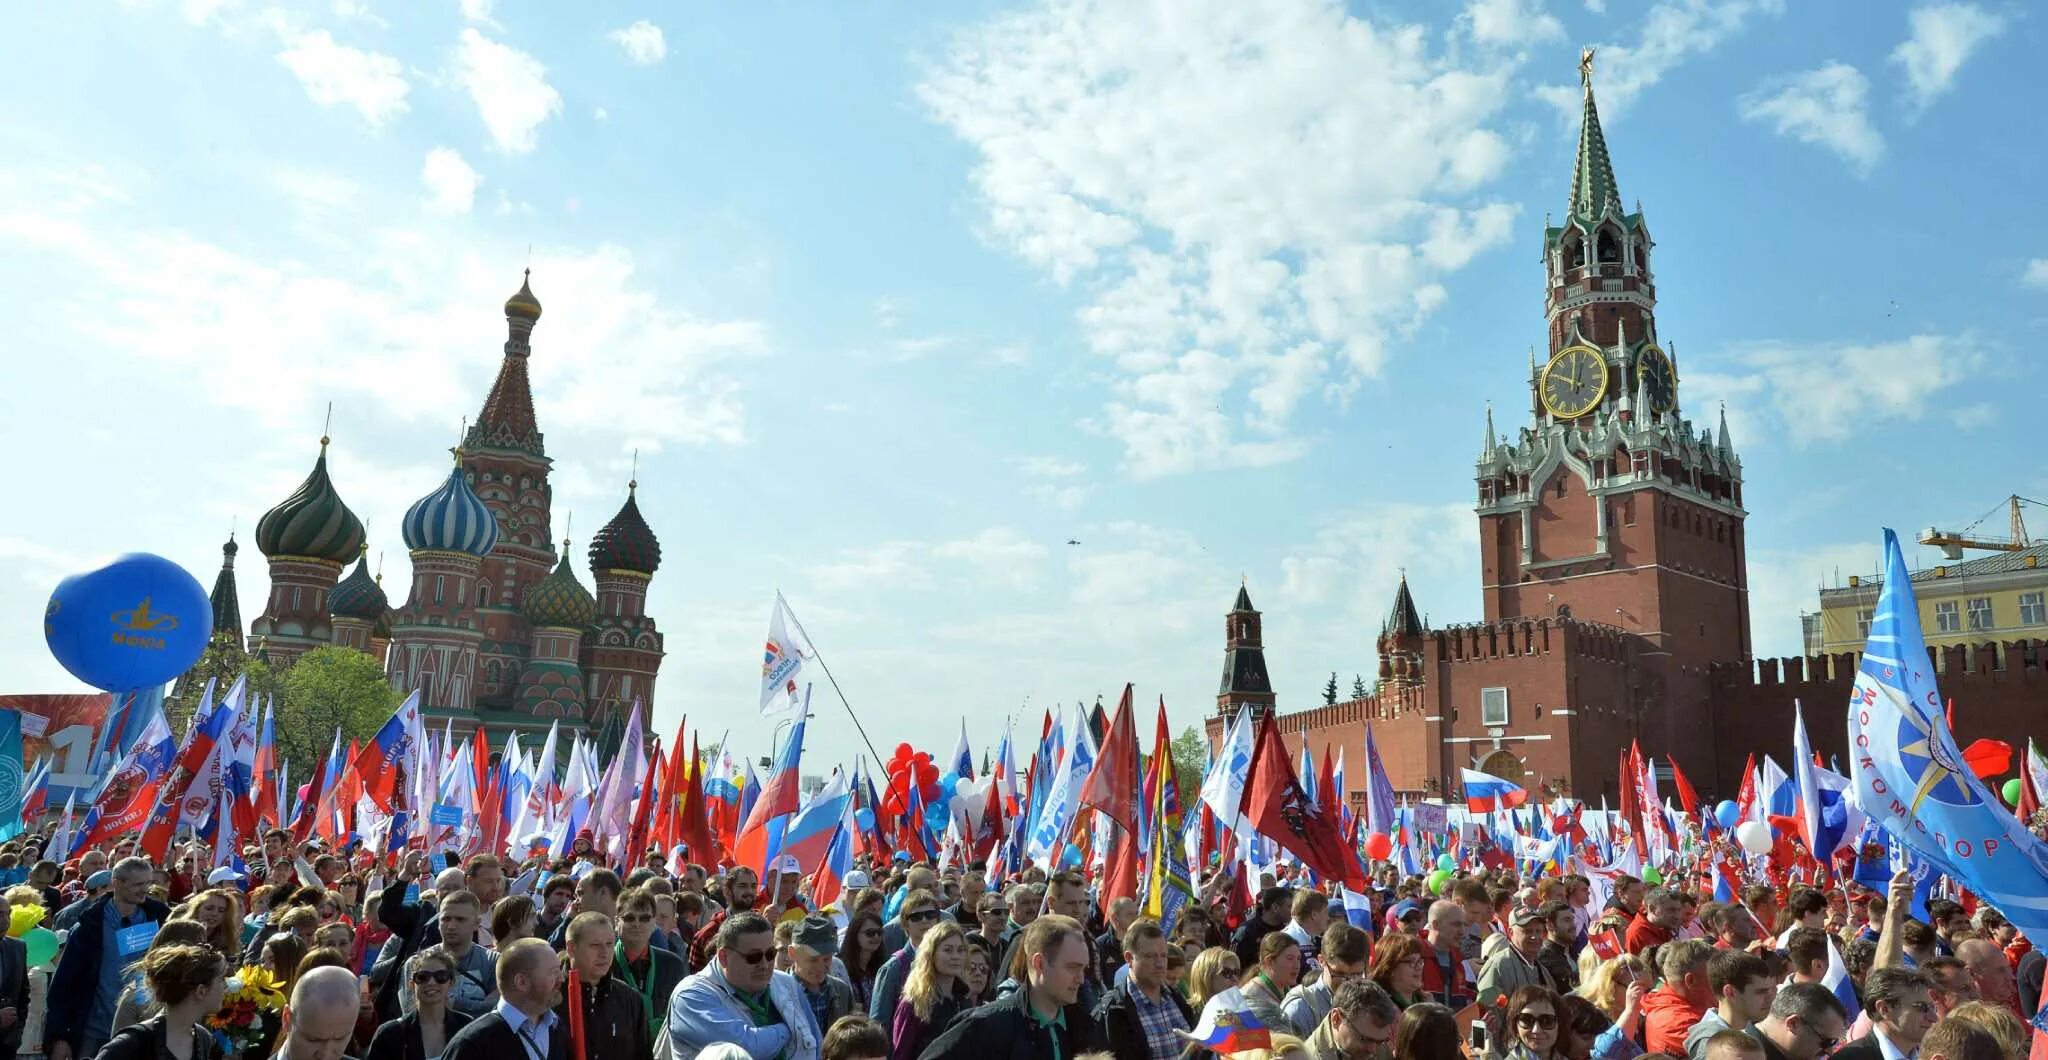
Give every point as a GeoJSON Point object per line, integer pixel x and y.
{"type": "Point", "coordinates": [1667, 1017]}
{"type": "Point", "coordinates": [1458, 992]}
{"type": "Point", "coordinates": [1642, 934]}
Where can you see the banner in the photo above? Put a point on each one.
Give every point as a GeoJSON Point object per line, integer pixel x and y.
{"type": "Point", "coordinates": [70, 723]}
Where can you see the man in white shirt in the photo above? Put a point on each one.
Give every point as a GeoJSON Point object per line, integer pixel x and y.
{"type": "Point", "coordinates": [1900, 1002]}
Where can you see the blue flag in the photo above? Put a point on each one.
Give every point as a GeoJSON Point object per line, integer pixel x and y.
{"type": "Point", "coordinates": [11, 775]}
{"type": "Point", "coordinates": [1910, 776]}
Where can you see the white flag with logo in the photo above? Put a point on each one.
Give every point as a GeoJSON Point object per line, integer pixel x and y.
{"type": "Point", "coordinates": [781, 660]}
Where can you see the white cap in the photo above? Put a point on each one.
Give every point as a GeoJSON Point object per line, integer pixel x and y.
{"type": "Point", "coordinates": [224, 874]}
{"type": "Point", "coordinates": [856, 880]}
{"type": "Point", "coordinates": [787, 863]}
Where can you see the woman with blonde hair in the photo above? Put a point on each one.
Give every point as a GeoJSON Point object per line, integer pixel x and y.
{"type": "Point", "coordinates": [933, 993]}
{"type": "Point", "coordinates": [2014, 1036]}
{"type": "Point", "coordinates": [220, 910]}
{"type": "Point", "coordinates": [1216, 969]}
{"type": "Point", "coordinates": [1607, 984]}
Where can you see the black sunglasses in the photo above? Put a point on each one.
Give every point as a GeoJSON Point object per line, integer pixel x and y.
{"type": "Point", "coordinates": [920, 916]}
{"type": "Point", "coordinates": [754, 957]}
{"type": "Point", "coordinates": [432, 975]}
{"type": "Point", "coordinates": [1545, 1020]}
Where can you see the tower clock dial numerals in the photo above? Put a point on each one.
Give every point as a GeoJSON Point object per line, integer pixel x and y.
{"type": "Point", "coordinates": [1654, 369]}
{"type": "Point", "coordinates": [1573, 382]}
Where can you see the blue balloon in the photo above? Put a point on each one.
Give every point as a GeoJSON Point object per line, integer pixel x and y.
{"type": "Point", "coordinates": [138, 621]}
{"type": "Point", "coordinates": [1727, 813]}
{"type": "Point", "coordinates": [1447, 863]}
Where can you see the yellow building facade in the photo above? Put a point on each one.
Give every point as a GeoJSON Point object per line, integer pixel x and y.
{"type": "Point", "coordinates": [1996, 598]}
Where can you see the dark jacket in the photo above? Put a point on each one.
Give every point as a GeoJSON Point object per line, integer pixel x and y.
{"type": "Point", "coordinates": [1109, 956]}
{"type": "Point", "coordinates": [1557, 960]}
{"type": "Point", "coordinates": [13, 991]}
{"type": "Point", "coordinates": [149, 1039]}
{"type": "Point", "coordinates": [1249, 934]}
{"type": "Point", "coordinates": [1005, 1030]}
{"type": "Point", "coordinates": [1864, 1048]}
{"type": "Point", "coordinates": [614, 1022]}
{"type": "Point", "coordinates": [400, 1039]}
{"type": "Point", "coordinates": [667, 969]}
{"type": "Point", "coordinates": [888, 990]}
{"type": "Point", "coordinates": [488, 1038]}
{"type": "Point", "coordinates": [1117, 1012]}
{"type": "Point", "coordinates": [416, 925]}
{"type": "Point", "coordinates": [77, 978]}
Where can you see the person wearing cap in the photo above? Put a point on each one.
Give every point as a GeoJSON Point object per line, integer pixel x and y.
{"type": "Point", "coordinates": [113, 929]}
{"type": "Point", "coordinates": [1515, 965]}
{"type": "Point", "coordinates": [650, 971]}
{"type": "Point", "coordinates": [811, 953]}
{"type": "Point", "coordinates": [93, 888]}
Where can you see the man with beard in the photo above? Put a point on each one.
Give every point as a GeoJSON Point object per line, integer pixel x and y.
{"type": "Point", "coordinates": [741, 890]}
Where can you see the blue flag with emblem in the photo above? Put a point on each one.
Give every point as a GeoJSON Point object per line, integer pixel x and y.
{"type": "Point", "coordinates": [1910, 776]}
{"type": "Point", "coordinates": [11, 775]}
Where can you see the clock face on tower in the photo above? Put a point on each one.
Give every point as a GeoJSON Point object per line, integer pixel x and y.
{"type": "Point", "coordinates": [1654, 369]}
{"type": "Point", "coordinates": [1573, 382]}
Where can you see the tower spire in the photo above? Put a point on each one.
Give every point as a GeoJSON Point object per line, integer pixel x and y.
{"type": "Point", "coordinates": [1491, 444]}
{"type": "Point", "coordinates": [1593, 184]}
{"type": "Point", "coordinates": [507, 420]}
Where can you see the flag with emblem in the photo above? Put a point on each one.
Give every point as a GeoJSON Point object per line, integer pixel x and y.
{"type": "Point", "coordinates": [1278, 809]}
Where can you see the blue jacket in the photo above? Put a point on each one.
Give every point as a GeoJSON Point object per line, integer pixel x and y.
{"type": "Point", "coordinates": [77, 979]}
{"type": "Point", "coordinates": [706, 1011]}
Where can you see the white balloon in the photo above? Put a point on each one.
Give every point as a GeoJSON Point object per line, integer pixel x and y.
{"type": "Point", "coordinates": [1755, 836]}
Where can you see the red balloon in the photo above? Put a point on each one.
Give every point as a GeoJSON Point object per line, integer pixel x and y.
{"type": "Point", "coordinates": [902, 751]}
{"type": "Point", "coordinates": [927, 775]}
{"type": "Point", "coordinates": [1378, 846]}
{"type": "Point", "coordinates": [922, 758]}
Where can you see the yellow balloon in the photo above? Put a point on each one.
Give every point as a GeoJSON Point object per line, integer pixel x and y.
{"type": "Point", "coordinates": [23, 918]}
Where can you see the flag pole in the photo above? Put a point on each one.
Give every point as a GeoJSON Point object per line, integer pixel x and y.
{"type": "Point", "coordinates": [836, 690]}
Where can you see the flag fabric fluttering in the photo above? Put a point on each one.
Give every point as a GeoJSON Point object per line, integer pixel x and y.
{"type": "Point", "coordinates": [1828, 817]}
{"type": "Point", "coordinates": [1485, 792]}
{"type": "Point", "coordinates": [760, 838]}
{"type": "Point", "coordinates": [1275, 805]}
{"type": "Point", "coordinates": [782, 658]}
{"type": "Point", "coordinates": [1910, 776]}
{"type": "Point", "coordinates": [1168, 887]}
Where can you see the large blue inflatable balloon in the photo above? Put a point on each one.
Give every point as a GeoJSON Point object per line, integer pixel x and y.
{"type": "Point", "coordinates": [138, 621]}
{"type": "Point", "coordinates": [1727, 813]}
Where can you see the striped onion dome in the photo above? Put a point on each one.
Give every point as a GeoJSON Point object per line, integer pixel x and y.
{"type": "Point", "coordinates": [358, 595]}
{"type": "Point", "coordinates": [312, 522]}
{"type": "Point", "coordinates": [450, 519]}
{"type": "Point", "coordinates": [560, 600]}
{"type": "Point", "coordinates": [626, 543]}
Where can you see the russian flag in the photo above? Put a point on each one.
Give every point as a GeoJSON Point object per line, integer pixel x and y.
{"type": "Point", "coordinates": [812, 831]}
{"type": "Point", "coordinates": [1485, 792]}
{"type": "Point", "coordinates": [760, 838]}
{"type": "Point", "coordinates": [830, 880]}
{"type": "Point", "coordinates": [1826, 814]}
{"type": "Point", "coordinates": [386, 765]}
{"type": "Point", "coordinates": [1228, 1025]}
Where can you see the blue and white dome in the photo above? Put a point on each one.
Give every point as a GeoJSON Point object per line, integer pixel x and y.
{"type": "Point", "coordinates": [451, 519]}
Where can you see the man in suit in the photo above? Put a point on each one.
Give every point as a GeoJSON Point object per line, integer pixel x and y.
{"type": "Point", "coordinates": [13, 987]}
{"type": "Point", "coordinates": [1900, 1002]}
{"type": "Point", "coordinates": [321, 1016]}
{"type": "Point", "coordinates": [523, 1026]}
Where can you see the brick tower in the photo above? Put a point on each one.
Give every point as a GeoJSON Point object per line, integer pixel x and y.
{"type": "Point", "coordinates": [1610, 507]}
{"type": "Point", "coordinates": [624, 650]}
{"type": "Point", "coordinates": [1245, 683]}
{"type": "Point", "coordinates": [508, 466]}
{"type": "Point", "coordinates": [436, 637]}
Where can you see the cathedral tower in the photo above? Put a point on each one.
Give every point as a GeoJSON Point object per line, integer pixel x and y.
{"type": "Point", "coordinates": [624, 650]}
{"type": "Point", "coordinates": [435, 637]}
{"type": "Point", "coordinates": [507, 465]}
{"type": "Point", "coordinates": [307, 538]}
{"type": "Point", "coordinates": [1245, 683]}
{"type": "Point", "coordinates": [359, 605]}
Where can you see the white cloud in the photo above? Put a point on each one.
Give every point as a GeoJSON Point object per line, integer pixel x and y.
{"type": "Point", "coordinates": [2036, 274]}
{"type": "Point", "coordinates": [1050, 467]}
{"type": "Point", "coordinates": [1672, 31]}
{"type": "Point", "coordinates": [600, 114]}
{"type": "Point", "coordinates": [1784, 583]}
{"type": "Point", "coordinates": [336, 74]}
{"type": "Point", "coordinates": [1828, 107]}
{"type": "Point", "coordinates": [1943, 36]}
{"type": "Point", "coordinates": [1055, 481]}
{"type": "Point", "coordinates": [221, 319]}
{"type": "Point", "coordinates": [478, 11]}
{"type": "Point", "coordinates": [1824, 392]}
{"type": "Point", "coordinates": [510, 89]}
{"type": "Point", "coordinates": [1259, 228]}
{"type": "Point", "coordinates": [999, 555]}
{"type": "Point", "coordinates": [450, 181]}
{"type": "Point", "coordinates": [1502, 23]}
{"type": "Point", "coordinates": [891, 564]}
{"type": "Point", "coordinates": [642, 42]}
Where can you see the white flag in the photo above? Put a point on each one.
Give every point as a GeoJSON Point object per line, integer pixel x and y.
{"type": "Point", "coordinates": [1223, 788]}
{"type": "Point", "coordinates": [781, 660]}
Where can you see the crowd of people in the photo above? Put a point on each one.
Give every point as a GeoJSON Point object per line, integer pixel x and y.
{"type": "Point", "coordinates": [446, 958]}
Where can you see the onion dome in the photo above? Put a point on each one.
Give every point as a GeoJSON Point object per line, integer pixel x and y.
{"type": "Point", "coordinates": [560, 600]}
{"type": "Point", "coordinates": [523, 305]}
{"type": "Point", "coordinates": [450, 519]}
{"type": "Point", "coordinates": [312, 522]}
{"type": "Point", "coordinates": [626, 543]}
{"type": "Point", "coordinates": [358, 595]}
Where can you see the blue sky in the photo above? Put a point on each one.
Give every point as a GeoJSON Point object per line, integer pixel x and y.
{"type": "Point", "coordinates": [895, 300]}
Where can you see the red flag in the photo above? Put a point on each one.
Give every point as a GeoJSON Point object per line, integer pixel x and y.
{"type": "Point", "coordinates": [1113, 785]}
{"type": "Point", "coordinates": [1276, 806]}
{"type": "Point", "coordinates": [1326, 785]}
{"type": "Point", "coordinates": [666, 819]}
{"type": "Point", "coordinates": [1745, 796]}
{"type": "Point", "coordinates": [635, 853]}
{"type": "Point", "coordinates": [694, 829]}
{"type": "Point", "coordinates": [490, 798]}
{"type": "Point", "coordinates": [1687, 798]}
{"type": "Point", "coordinates": [1630, 808]}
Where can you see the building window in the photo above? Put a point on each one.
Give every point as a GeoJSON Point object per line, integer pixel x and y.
{"type": "Point", "coordinates": [1493, 707]}
{"type": "Point", "coordinates": [1980, 613]}
{"type": "Point", "coordinates": [1863, 624]}
{"type": "Point", "coordinates": [2033, 609]}
{"type": "Point", "coordinates": [1946, 620]}
{"type": "Point", "coordinates": [440, 587]}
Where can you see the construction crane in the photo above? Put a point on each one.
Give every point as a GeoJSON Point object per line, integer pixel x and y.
{"type": "Point", "coordinates": [1953, 542]}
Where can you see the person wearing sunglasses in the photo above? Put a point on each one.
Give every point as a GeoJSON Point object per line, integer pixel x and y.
{"type": "Point", "coordinates": [649, 970]}
{"type": "Point", "coordinates": [1806, 1021]}
{"type": "Point", "coordinates": [1901, 1006]}
{"type": "Point", "coordinates": [423, 1032]}
{"type": "Point", "coordinates": [740, 999]}
{"type": "Point", "coordinates": [1533, 1027]}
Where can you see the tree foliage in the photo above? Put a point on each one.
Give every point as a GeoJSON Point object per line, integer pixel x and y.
{"type": "Point", "coordinates": [1188, 756]}
{"type": "Point", "coordinates": [329, 688]}
{"type": "Point", "coordinates": [1330, 691]}
{"type": "Point", "coordinates": [1357, 686]}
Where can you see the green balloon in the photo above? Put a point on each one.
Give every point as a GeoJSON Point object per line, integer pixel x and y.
{"type": "Point", "coordinates": [42, 946]}
{"type": "Point", "coordinates": [2012, 792]}
{"type": "Point", "coordinates": [1437, 880]}
{"type": "Point", "coordinates": [1652, 877]}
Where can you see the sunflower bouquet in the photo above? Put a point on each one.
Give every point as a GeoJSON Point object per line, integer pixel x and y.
{"type": "Point", "coordinates": [252, 992]}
